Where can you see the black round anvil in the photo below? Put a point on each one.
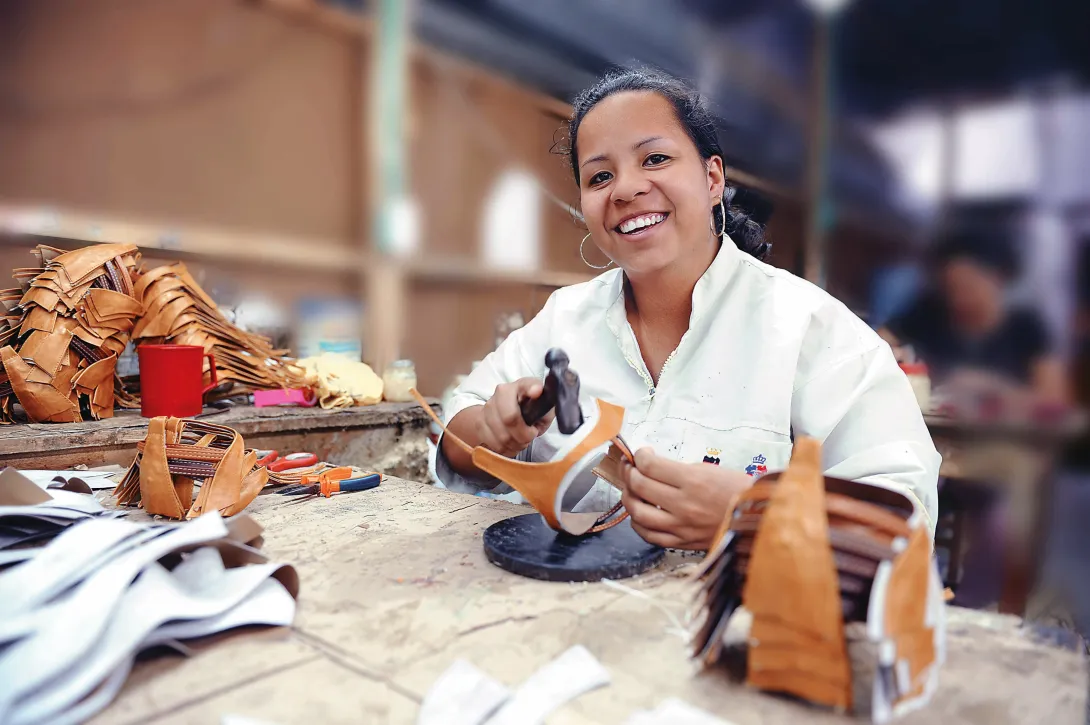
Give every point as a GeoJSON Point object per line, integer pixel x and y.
{"type": "Point", "coordinates": [525, 545]}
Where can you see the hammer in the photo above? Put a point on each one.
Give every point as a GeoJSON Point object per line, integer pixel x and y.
{"type": "Point", "coordinates": [560, 391]}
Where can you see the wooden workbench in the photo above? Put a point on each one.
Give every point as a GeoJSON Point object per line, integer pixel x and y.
{"type": "Point", "coordinates": [388, 437]}
{"type": "Point", "coordinates": [395, 587]}
{"type": "Point", "coordinates": [1018, 457]}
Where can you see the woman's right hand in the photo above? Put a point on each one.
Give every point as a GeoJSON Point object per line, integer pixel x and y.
{"type": "Point", "coordinates": [500, 427]}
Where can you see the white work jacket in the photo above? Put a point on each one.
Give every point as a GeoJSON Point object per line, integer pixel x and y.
{"type": "Point", "coordinates": [767, 355]}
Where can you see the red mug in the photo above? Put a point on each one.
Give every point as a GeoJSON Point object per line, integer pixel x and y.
{"type": "Point", "coordinates": [172, 380]}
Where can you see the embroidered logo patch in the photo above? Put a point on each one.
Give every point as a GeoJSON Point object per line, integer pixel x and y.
{"type": "Point", "coordinates": [712, 456]}
{"type": "Point", "coordinates": [757, 467]}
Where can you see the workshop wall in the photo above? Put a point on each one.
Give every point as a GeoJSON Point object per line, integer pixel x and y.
{"type": "Point", "coordinates": [205, 112]}
{"type": "Point", "coordinates": [233, 116]}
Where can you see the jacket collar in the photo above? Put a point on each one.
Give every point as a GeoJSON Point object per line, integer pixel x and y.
{"type": "Point", "coordinates": [707, 293]}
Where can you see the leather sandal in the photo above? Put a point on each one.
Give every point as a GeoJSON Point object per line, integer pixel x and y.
{"type": "Point", "coordinates": [177, 451]}
{"type": "Point", "coordinates": [543, 485]}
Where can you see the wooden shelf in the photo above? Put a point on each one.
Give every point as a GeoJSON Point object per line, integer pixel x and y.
{"type": "Point", "coordinates": [38, 225]}
{"type": "Point", "coordinates": [470, 271]}
{"type": "Point", "coordinates": [29, 226]}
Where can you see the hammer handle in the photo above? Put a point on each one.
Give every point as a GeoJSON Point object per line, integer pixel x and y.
{"type": "Point", "coordinates": [534, 409]}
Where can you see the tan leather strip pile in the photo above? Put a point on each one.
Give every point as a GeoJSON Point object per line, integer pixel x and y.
{"type": "Point", "coordinates": [805, 554]}
{"type": "Point", "coordinates": [62, 331]}
{"type": "Point", "coordinates": [175, 452]}
{"type": "Point", "coordinates": [179, 312]}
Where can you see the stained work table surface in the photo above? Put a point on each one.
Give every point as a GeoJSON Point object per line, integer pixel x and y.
{"type": "Point", "coordinates": [390, 437]}
{"type": "Point", "coordinates": [395, 587]}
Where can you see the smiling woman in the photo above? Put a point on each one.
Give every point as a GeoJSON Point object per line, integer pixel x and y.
{"type": "Point", "coordinates": [718, 358]}
{"type": "Point", "coordinates": [677, 107]}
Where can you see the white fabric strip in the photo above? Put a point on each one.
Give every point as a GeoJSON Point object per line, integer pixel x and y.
{"type": "Point", "coordinates": [674, 712]}
{"type": "Point", "coordinates": [77, 621]}
{"type": "Point", "coordinates": [154, 600]}
{"type": "Point", "coordinates": [560, 681]}
{"type": "Point", "coordinates": [99, 699]}
{"type": "Point", "coordinates": [462, 695]}
{"type": "Point", "coordinates": [50, 572]}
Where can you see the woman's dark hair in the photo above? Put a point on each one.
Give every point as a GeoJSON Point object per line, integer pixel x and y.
{"type": "Point", "coordinates": [692, 111]}
{"type": "Point", "coordinates": [991, 248]}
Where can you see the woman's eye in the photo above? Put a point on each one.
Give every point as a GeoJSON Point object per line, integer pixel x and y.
{"type": "Point", "coordinates": [656, 159]}
{"type": "Point", "coordinates": [599, 178]}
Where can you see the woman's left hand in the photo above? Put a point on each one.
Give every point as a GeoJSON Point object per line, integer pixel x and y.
{"type": "Point", "coordinates": [678, 505]}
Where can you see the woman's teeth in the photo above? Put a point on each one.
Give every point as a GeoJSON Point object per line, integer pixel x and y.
{"type": "Point", "coordinates": [647, 220]}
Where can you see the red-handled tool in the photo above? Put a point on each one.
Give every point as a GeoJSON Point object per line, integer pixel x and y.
{"type": "Point", "coordinates": [278, 464]}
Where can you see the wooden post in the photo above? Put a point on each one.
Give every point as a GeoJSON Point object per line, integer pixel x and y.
{"type": "Point", "coordinates": [383, 273]}
{"type": "Point", "coordinates": [818, 156]}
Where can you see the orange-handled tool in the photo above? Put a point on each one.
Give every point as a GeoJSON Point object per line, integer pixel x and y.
{"type": "Point", "coordinates": [335, 480]}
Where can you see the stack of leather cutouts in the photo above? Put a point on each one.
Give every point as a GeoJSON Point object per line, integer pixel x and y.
{"type": "Point", "coordinates": [75, 615]}
{"type": "Point", "coordinates": [62, 331]}
{"type": "Point", "coordinates": [178, 312]}
{"type": "Point", "coordinates": [846, 602]}
{"type": "Point", "coordinates": [176, 453]}
{"type": "Point", "coordinates": [543, 485]}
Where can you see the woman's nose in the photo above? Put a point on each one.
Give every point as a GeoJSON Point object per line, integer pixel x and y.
{"type": "Point", "coordinates": [629, 185]}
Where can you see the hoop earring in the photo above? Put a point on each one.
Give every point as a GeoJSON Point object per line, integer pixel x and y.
{"type": "Point", "coordinates": [592, 266]}
{"type": "Point", "coordinates": [723, 210]}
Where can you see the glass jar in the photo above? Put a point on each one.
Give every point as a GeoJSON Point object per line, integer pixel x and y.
{"type": "Point", "coordinates": [921, 383]}
{"type": "Point", "coordinates": [398, 378]}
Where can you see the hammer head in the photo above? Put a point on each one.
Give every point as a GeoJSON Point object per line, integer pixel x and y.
{"type": "Point", "coordinates": [560, 391]}
{"type": "Point", "coordinates": [569, 416]}
{"type": "Point", "coordinates": [556, 360]}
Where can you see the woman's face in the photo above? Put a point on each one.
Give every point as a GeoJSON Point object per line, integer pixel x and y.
{"type": "Point", "coordinates": [973, 292]}
{"type": "Point", "coordinates": [646, 194]}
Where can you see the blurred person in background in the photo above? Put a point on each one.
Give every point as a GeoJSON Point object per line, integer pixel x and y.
{"type": "Point", "coordinates": [719, 359]}
{"type": "Point", "coordinates": [974, 340]}
{"type": "Point", "coordinates": [966, 330]}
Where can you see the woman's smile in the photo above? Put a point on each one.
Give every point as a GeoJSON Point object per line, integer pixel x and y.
{"type": "Point", "coordinates": [639, 226]}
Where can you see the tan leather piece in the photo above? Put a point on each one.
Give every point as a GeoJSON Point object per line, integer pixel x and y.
{"type": "Point", "coordinates": [41, 401]}
{"type": "Point", "coordinates": [97, 383]}
{"type": "Point", "coordinates": [251, 486]}
{"type": "Point", "coordinates": [145, 280]}
{"type": "Point", "coordinates": [226, 485]}
{"type": "Point", "coordinates": [78, 264]}
{"type": "Point", "coordinates": [38, 318]}
{"type": "Point", "coordinates": [107, 304]}
{"type": "Point", "coordinates": [792, 563]}
{"type": "Point", "coordinates": [46, 350]}
{"type": "Point", "coordinates": [609, 468]}
{"type": "Point", "coordinates": [198, 448]}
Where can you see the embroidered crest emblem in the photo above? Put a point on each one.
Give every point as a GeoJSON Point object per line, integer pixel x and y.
{"type": "Point", "coordinates": [757, 467]}
{"type": "Point", "coordinates": [712, 456]}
